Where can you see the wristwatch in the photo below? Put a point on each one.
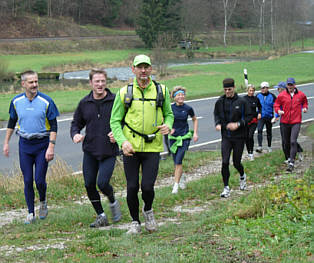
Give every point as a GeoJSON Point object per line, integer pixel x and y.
{"type": "Point", "coordinates": [53, 141]}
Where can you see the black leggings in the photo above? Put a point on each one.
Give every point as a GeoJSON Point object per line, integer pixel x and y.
{"type": "Point", "coordinates": [104, 169]}
{"type": "Point", "coordinates": [250, 138]}
{"type": "Point", "coordinates": [149, 162]}
{"type": "Point", "coordinates": [260, 126]}
{"type": "Point", "coordinates": [290, 134]}
{"type": "Point", "coordinates": [228, 145]}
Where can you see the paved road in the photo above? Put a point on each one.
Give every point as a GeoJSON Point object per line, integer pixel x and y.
{"type": "Point", "coordinates": [208, 136]}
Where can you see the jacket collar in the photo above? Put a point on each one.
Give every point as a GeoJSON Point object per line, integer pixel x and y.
{"type": "Point", "coordinates": [108, 97]}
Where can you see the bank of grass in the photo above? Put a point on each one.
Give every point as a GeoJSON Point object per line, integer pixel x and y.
{"type": "Point", "coordinates": [270, 224]}
{"type": "Point", "coordinates": [310, 131]}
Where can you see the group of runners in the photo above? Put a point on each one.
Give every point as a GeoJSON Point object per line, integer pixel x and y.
{"type": "Point", "coordinates": [135, 120]}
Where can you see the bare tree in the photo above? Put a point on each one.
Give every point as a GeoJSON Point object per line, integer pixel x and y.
{"type": "Point", "coordinates": [228, 10]}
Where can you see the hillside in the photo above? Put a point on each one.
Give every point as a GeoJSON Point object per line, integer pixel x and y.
{"type": "Point", "coordinates": [36, 26]}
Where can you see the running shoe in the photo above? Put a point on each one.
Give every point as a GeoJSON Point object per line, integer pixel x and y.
{"type": "Point", "coordinates": [251, 157]}
{"type": "Point", "coordinates": [135, 228]}
{"type": "Point", "coordinates": [300, 156]}
{"type": "Point", "coordinates": [182, 184]}
{"type": "Point", "coordinates": [150, 223]}
{"type": "Point", "coordinates": [287, 161]}
{"type": "Point", "coordinates": [290, 167]}
{"type": "Point", "coordinates": [243, 182]}
{"type": "Point", "coordinates": [226, 192]}
{"type": "Point", "coordinates": [101, 220]}
{"type": "Point", "coordinates": [43, 210]}
{"type": "Point", "coordinates": [259, 149]}
{"type": "Point", "coordinates": [30, 219]}
{"type": "Point", "coordinates": [269, 149]}
{"type": "Point", "coordinates": [115, 211]}
{"type": "Point", "coordinates": [175, 188]}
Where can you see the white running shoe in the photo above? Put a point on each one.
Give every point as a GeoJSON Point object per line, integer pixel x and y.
{"type": "Point", "coordinates": [43, 210]}
{"type": "Point", "coordinates": [175, 188]}
{"type": "Point", "coordinates": [135, 228]}
{"type": "Point", "coordinates": [269, 149]}
{"type": "Point", "coordinates": [243, 182]}
{"type": "Point", "coordinates": [150, 223]}
{"type": "Point", "coordinates": [259, 149]}
{"type": "Point", "coordinates": [287, 161]}
{"type": "Point", "coordinates": [30, 219]}
{"type": "Point", "coordinates": [226, 192]}
{"type": "Point", "coordinates": [300, 156]}
{"type": "Point", "coordinates": [251, 157]}
{"type": "Point", "coordinates": [182, 184]}
{"type": "Point", "coordinates": [115, 211]}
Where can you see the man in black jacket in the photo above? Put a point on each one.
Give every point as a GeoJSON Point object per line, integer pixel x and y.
{"type": "Point", "coordinates": [99, 146]}
{"type": "Point", "coordinates": [232, 114]}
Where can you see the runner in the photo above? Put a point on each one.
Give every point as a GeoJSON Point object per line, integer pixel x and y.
{"type": "Point", "coordinates": [232, 115]}
{"type": "Point", "coordinates": [180, 135]}
{"type": "Point", "coordinates": [99, 147]}
{"type": "Point", "coordinates": [254, 103]}
{"type": "Point", "coordinates": [289, 105]}
{"type": "Point", "coordinates": [36, 115]}
{"type": "Point", "coordinates": [267, 100]}
{"type": "Point", "coordinates": [141, 115]}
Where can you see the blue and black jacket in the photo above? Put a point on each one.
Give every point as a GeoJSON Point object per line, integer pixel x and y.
{"type": "Point", "coordinates": [267, 101]}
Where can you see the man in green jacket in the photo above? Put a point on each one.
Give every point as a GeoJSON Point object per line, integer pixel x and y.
{"type": "Point", "coordinates": [140, 116]}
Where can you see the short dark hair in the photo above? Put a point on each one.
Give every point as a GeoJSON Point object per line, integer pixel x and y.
{"type": "Point", "coordinates": [27, 73]}
{"type": "Point", "coordinates": [97, 71]}
{"type": "Point", "coordinates": [228, 83]}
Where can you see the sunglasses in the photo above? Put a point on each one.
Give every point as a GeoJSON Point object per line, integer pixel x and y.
{"type": "Point", "coordinates": [264, 87]}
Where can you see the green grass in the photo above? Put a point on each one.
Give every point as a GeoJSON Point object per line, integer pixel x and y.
{"type": "Point", "coordinates": [200, 80]}
{"type": "Point", "coordinates": [38, 62]}
{"type": "Point", "coordinates": [270, 224]}
{"type": "Point", "coordinates": [310, 131]}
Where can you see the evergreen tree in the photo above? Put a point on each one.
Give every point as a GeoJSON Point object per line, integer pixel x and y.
{"type": "Point", "coordinates": [158, 17]}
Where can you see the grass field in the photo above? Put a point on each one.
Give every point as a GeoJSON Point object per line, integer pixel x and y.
{"type": "Point", "coordinates": [270, 223]}
{"type": "Point", "coordinates": [200, 80]}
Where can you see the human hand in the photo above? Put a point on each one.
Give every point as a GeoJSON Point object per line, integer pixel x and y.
{"type": "Point", "coordinates": [78, 138]}
{"type": "Point", "coordinates": [127, 148]}
{"type": "Point", "coordinates": [111, 138]}
{"type": "Point", "coordinates": [304, 110]}
{"type": "Point", "coordinates": [6, 149]}
{"type": "Point", "coordinates": [259, 116]}
{"type": "Point", "coordinates": [232, 126]}
{"type": "Point", "coordinates": [49, 154]}
{"type": "Point", "coordinates": [164, 129]}
{"type": "Point", "coordinates": [218, 127]}
{"type": "Point", "coordinates": [195, 137]}
{"type": "Point", "coordinates": [172, 131]}
{"type": "Point", "coordinates": [281, 112]}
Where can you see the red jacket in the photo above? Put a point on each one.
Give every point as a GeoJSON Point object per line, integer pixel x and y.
{"type": "Point", "coordinates": [292, 107]}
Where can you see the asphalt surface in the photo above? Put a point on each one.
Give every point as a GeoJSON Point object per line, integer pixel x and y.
{"type": "Point", "coordinates": [209, 138]}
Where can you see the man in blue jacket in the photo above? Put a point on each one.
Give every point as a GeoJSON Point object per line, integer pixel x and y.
{"type": "Point", "coordinates": [267, 101]}
{"type": "Point", "coordinates": [36, 116]}
{"type": "Point", "coordinates": [99, 146]}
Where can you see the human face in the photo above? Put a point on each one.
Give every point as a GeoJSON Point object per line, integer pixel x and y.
{"type": "Point", "coordinates": [179, 98]}
{"type": "Point", "coordinates": [250, 92]}
{"type": "Point", "coordinates": [30, 85]}
{"type": "Point", "coordinates": [264, 90]}
{"type": "Point", "coordinates": [291, 87]}
{"type": "Point", "coordinates": [98, 84]}
{"type": "Point", "coordinates": [142, 72]}
{"type": "Point", "coordinates": [229, 92]}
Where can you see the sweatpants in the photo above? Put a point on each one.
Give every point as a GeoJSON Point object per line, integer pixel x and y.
{"type": "Point", "coordinates": [32, 153]}
{"type": "Point", "coordinates": [149, 162]}
{"type": "Point", "coordinates": [260, 126]}
{"type": "Point", "coordinates": [104, 169]}
{"type": "Point", "coordinates": [236, 146]}
{"type": "Point", "coordinates": [250, 138]}
{"type": "Point", "coordinates": [290, 134]}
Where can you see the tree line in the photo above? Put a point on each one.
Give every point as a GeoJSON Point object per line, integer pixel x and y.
{"type": "Point", "coordinates": [274, 22]}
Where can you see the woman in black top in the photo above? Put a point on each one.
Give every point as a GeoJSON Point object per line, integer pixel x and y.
{"type": "Point", "coordinates": [256, 109]}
